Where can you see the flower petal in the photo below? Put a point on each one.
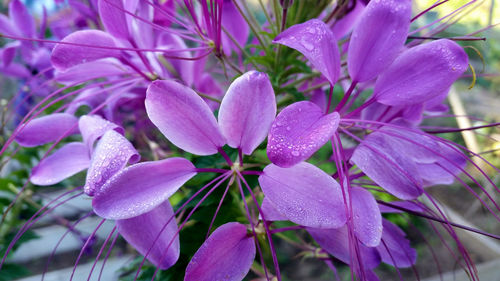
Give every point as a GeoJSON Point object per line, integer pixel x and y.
{"type": "Point", "coordinates": [6, 26]}
{"type": "Point", "coordinates": [91, 45]}
{"type": "Point", "coordinates": [345, 24]}
{"type": "Point", "coordinates": [367, 219]}
{"type": "Point", "coordinates": [111, 155]}
{"type": "Point", "coordinates": [47, 129]}
{"type": "Point", "coordinates": [377, 38]}
{"type": "Point", "coordinates": [247, 111]}
{"type": "Point", "coordinates": [414, 142]}
{"type": "Point", "coordinates": [316, 42]}
{"type": "Point", "coordinates": [139, 188]}
{"type": "Point", "coordinates": [114, 18]}
{"type": "Point", "coordinates": [421, 73]}
{"type": "Point", "coordinates": [305, 195]}
{"type": "Point", "coordinates": [93, 127]}
{"type": "Point", "coordinates": [298, 131]}
{"type": "Point", "coordinates": [227, 254]}
{"type": "Point", "coordinates": [235, 25]}
{"type": "Point", "coordinates": [63, 163]}
{"type": "Point", "coordinates": [395, 249]}
{"type": "Point", "coordinates": [102, 68]}
{"type": "Point", "coordinates": [270, 212]}
{"type": "Point", "coordinates": [336, 242]}
{"type": "Point", "coordinates": [21, 17]}
{"type": "Point", "coordinates": [390, 169]}
{"type": "Point", "coordinates": [183, 117]}
{"type": "Point", "coordinates": [142, 232]}
{"type": "Point", "coordinates": [404, 204]}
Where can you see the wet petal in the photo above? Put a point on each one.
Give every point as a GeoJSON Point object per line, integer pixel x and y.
{"type": "Point", "coordinates": [22, 19]}
{"type": "Point", "coordinates": [93, 127]}
{"type": "Point", "coordinates": [183, 117]}
{"type": "Point", "coordinates": [139, 188]}
{"type": "Point", "coordinates": [47, 129]}
{"type": "Point", "coordinates": [142, 232]}
{"type": "Point", "coordinates": [377, 38]}
{"type": "Point", "coordinates": [298, 131]}
{"type": "Point", "coordinates": [247, 111]}
{"type": "Point", "coordinates": [63, 163]}
{"type": "Point", "coordinates": [395, 249]}
{"type": "Point", "coordinates": [421, 73]}
{"type": "Point", "coordinates": [227, 254]}
{"type": "Point", "coordinates": [336, 242]}
{"type": "Point", "coordinates": [390, 169]}
{"type": "Point", "coordinates": [114, 18]}
{"type": "Point", "coordinates": [111, 155]}
{"type": "Point", "coordinates": [305, 195]}
{"type": "Point", "coordinates": [270, 212]}
{"type": "Point", "coordinates": [95, 46]}
{"type": "Point", "coordinates": [316, 42]}
{"type": "Point", "coordinates": [367, 218]}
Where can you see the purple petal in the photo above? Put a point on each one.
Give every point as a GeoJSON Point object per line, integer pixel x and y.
{"type": "Point", "coordinates": [226, 255]}
{"type": "Point", "coordinates": [298, 131]}
{"type": "Point", "coordinates": [421, 73]}
{"type": "Point", "coordinates": [183, 67]}
{"type": "Point", "coordinates": [8, 53]}
{"type": "Point", "coordinates": [63, 163]}
{"type": "Point", "coordinates": [367, 218]}
{"type": "Point", "coordinates": [446, 167]}
{"type": "Point", "coordinates": [22, 19]}
{"type": "Point", "coordinates": [235, 25]}
{"type": "Point", "coordinates": [93, 127]}
{"type": "Point", "coordinates": [404, 204]}
{"type": "Point", "coordinates": [6, 26]}
{"type": "Point", "coordinates": [415, 143]}
{"type": "Point", "coordinates": [96, 47]}
{"type": "Point", "coordinates": [114, 18]}
{"type": "Point", "coordinates": [91, 69]}
{"type": "Point", "coordinates": [91, 98]}
{"type": "Point", "coordinates": [270, 212]}
{"type": "Point", "coordinates": [183, 117]}
{"type": "Point", "coordinates": [390, 169]}
{"type": "Point", "coordinates": [377, 38]}
{"type": "Point", "coordinates": [139, 188]}
{"type": "Point", "coordinates": [247, 111]}
{"type": "Point", "coordinates": [336, 242]}
{"type": "Point", "coordinates": [142, 232]}
{"type": "Point", "coordinates": [316, 42]}
{"type": "Point", "coordinates": [395, 249]}
{"type": "Point", "coordinates": [344, 25]}
{"type": "Point", "coordinates": [15, 70]}
{"type": "Point", "coordinates": [209, 86]}
{"type": "Point", "coordinates": [305, 195]}
{"type": "Point", "coordinates": [111, 155]}
{"type": "Point", "coordinates": [47, 129]}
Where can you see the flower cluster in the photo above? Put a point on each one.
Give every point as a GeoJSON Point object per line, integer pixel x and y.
{"type": "Point", "coordinates": [119, 81]}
